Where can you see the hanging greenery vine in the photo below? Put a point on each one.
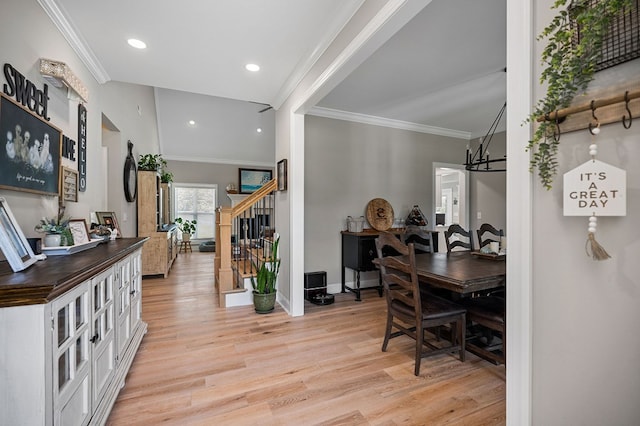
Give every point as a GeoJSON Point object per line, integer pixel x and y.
{"type": "Point", "coordinates": [569, 68]}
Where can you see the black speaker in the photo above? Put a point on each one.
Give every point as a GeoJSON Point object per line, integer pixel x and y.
{"type": "Point", "coordinates": [315, 285]}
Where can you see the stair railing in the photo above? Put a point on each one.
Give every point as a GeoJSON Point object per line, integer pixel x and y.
{"type": "Point", "coordinates": [243, 234]}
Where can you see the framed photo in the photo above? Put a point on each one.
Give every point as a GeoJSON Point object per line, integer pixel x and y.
{"type": "Point", "coordinates": [282, 175]}
{"type": "Point", "coordinates": [251, 180]}
{"type": "Point", "coordinates": [69, 184]}
{"type": "Point", "coordinates": [31, 160]}
{"type": "Point", "coordinates": [79, 231]}
{"type": "Point", "coordinates": [12, 241]}
{"type": "Point", "coordinates": [108, 219]}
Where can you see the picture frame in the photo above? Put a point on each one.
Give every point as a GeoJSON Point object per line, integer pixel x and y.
{"type": "Point", "coordinates": [13, 243]}
{"type": "Point", "coordinates": [31, 160]}
{"type": "Point", "coordinates": [282, 175]}
{"type": "Point", "coordinates": [108, 219]}
{"type": "Point", "coordinates": [69, 184]}
{"type": "Point", "coordinates": [250, 180]}
{"type": "Point", "coordinates": [79, 231]}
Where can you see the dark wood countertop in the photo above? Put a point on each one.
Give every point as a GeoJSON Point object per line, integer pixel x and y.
{"type": "Point", "coordinates": [47, 279]}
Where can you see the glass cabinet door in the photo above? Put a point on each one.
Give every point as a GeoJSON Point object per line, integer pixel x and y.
{"type": "Point", "coordinates": [71, 336]}
{"type": "Point", "coordinates": [123, 308]}
{"type": "Point", "coordinates": [103, 338]}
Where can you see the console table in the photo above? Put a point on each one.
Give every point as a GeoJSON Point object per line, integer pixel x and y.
{"type": "Point", "coordinates": [70, 327]}
{"type": "Point", "coordinates": [358, 252]}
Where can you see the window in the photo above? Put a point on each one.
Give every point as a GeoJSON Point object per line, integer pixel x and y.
{"type": "Point", "coordinates": [197, 202]}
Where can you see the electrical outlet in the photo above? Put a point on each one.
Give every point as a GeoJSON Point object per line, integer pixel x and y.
{"type": "Point", "coordinates": [479, 216]}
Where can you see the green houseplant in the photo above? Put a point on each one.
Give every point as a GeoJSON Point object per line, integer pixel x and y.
{"type": "Point", "coordinates": [151, 162]}
{"type": "Point", "coordinates": [56, 230]}
{"type": "Point", "coordinates": [187, 227]}
{"type": "Point", "coordinates": [265, 279]}
{"type": "Point", "coordinates": [570, 64]}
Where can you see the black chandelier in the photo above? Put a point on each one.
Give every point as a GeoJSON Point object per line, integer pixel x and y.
{"type": "Point", "coordinates": [479, 160]}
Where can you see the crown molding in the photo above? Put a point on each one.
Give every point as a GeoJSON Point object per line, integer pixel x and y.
{"type": "Point", "coordinates": [243, 163]}
{"type": "Point", "coordinates": [78, 44]}
{"type": "Point", "coordinates": [387, 122]}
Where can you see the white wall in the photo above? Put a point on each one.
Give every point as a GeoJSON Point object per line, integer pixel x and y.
{"type": "Point", "coordinates": [586, 345]}
{"type": "Point", "coordinates": [26, 35]}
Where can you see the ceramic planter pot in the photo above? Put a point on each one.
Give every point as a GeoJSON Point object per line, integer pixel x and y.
{"type": "Point", "coordinates": [264, 303]}
{"type": "Point", "coordinates": [52, 240]}
{"type": "Point", "coordinates": [186, 236]}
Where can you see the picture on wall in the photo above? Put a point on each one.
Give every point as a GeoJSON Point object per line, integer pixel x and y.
{"type": "Point", "coordinates": [31, 158]}
{"type": "Point", "coordinates": [282, 175]}
{"type": "Point", "coordinates": [252, 179]}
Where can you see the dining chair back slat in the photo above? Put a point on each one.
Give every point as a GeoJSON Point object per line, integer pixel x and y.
{"type": "Point", "coordinates": [409, 312]}
{"type": "Point", "coordinates": [456, 236]}
{"type": "Point", "coordinates": [494, 235]}
{"type": "Point", "coordinates": [422, 241]}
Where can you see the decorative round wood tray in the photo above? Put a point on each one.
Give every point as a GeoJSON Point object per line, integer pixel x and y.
{"type": "Point", "coordinates": [380, 214]}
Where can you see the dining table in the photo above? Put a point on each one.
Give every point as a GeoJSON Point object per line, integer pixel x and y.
{"type": "Point", "coordinates": [462, 272]}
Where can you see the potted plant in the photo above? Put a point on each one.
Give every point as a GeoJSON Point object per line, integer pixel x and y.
{"type": "Point", "coordinates": [264, 281]}
{"type": "Point", "coordinates": [56, 230]}
{"type": "Point", "coordinates": [187, 227]}
{"type": "Point", "coordinates": [151, 162]}
{"type": "Point", "coordinates": [166, 176]}
{"type": "Point", "coordinates": [569, 68]}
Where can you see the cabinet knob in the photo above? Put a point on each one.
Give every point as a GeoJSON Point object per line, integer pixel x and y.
{"type": "Point", "coordinates": [95, 338]}
{"type": "Point", "coordinates": [132, 292]}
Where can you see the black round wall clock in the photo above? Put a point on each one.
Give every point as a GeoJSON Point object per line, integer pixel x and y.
{"type": "Point", "coordinates": [130, 175]}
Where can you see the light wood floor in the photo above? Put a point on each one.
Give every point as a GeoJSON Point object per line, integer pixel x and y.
{"type": "Point", "coordinates": [201, 365]}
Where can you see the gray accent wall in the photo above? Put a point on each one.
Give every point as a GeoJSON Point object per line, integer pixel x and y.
{"type": "Point", "coordinates": [586, 344]}
{"type": "Point", "coordinates": [348, 164]}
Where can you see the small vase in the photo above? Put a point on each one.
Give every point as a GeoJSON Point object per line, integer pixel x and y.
{"type": "Point", "coordinates": [52, 240]}
{"type": "Point", "coordinates": [186, 236]}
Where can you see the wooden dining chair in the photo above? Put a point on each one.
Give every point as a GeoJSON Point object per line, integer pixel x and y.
{"type": "Point", "coordinates": [422, 241]}
{"type": "Point", "coordinates": [410, 313]}
{"type": "Point", "coordinates": [494, 235]}
{"type": "Point", "coordinates": [457, 236]}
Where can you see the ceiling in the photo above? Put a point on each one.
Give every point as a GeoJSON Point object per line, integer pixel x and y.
{"type": "Point", "coordinates": [442, 71]}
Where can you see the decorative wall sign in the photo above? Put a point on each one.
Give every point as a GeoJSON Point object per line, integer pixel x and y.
{"type": "Point", "coordinates": [595, 189]}
{"type": "Point", "coordinates": [69, 185]}
{"type": "Point", "coordinates": [31, 158]}
{"type": "Point", "coordinates": [82, 147]}
{"type": "Point", "coordinates": [26, 92]}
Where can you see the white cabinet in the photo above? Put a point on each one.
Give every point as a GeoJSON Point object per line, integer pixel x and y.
{"type": "Point", "coordinates": [71, 333]}
{"type": "Point", "coordinates": [64, 362]}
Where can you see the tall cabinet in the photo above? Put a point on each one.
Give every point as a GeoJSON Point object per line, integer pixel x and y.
{"type": "Point", "coordinates": [161, 249]}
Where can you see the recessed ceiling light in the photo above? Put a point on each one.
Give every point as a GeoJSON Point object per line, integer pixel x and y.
{"type": "Point", "coordinates": [192, 123]}
{"type": "Point", "coordinates": [259, 130]}
{"type": "Point", "coordinates": [252, 67]}
{"type": "Point", "coordinates": [138, 44]}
